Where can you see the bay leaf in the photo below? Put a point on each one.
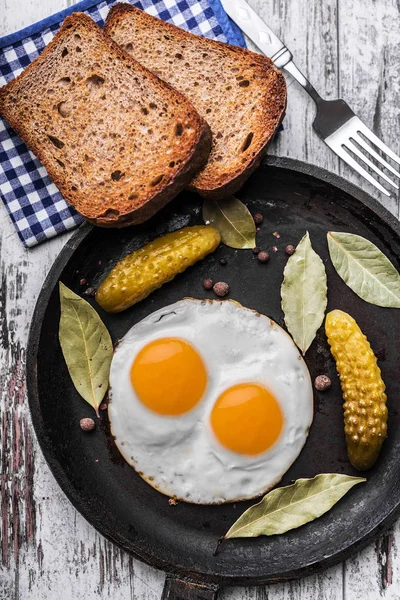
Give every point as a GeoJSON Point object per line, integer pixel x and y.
{"type": "Point", "coordinates": [365, 269]}
{"type": "Point", "coordinates": [304, 294]}
{"type": "Point", "coordinates": [233, 221]}
{"type": "Point", "coordinates": [292, 506]}
{"type": "Point", "coordinates": [86, 346]}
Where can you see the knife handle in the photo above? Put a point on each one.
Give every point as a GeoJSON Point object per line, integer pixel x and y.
{"type": "Point", "coordinates": [258, 31]}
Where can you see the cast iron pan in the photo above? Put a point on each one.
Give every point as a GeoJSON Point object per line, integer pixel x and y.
{"type": "Point", "coordinates": [181, 539]}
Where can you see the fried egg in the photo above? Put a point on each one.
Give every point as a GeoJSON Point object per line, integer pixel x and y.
{"type": "Point", "coordinates": [210, 402]}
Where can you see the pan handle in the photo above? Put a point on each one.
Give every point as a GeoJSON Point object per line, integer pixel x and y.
{"type": "Point", "coordinates": [185, 589]}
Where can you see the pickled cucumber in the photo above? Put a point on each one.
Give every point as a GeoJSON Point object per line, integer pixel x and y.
{"type": "Point", "coordinates": [365, 411]}
{"type": "Point", "coordinates": [138, 274]}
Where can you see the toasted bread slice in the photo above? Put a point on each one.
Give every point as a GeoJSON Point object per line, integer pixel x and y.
{"type": "Point", "coordinates": [117, 141]}
{"type": "Point", "coordinates": [240, 93]}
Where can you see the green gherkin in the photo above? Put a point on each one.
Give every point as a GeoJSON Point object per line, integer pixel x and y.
{"type": "Point", "coordinates": [138, 274]}
{"type": "Point", "coordinates": [365, 411]}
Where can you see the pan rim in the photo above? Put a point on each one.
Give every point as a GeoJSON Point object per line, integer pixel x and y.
{"type": "Point", "coordinates": [136, 550]}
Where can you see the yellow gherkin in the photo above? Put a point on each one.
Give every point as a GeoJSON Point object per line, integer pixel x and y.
{"type": "Point", "coordinates": [365, 411]}
{"type": "Point", "coordinates": [141, 272]}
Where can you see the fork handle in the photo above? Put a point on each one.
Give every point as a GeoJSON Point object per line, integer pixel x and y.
{"type": "Point", "coordinates": [291, 68]}
{"type": "Point", "coordinates": [269, 43]}
{"type": "Point", "coordinates": [258, 31]}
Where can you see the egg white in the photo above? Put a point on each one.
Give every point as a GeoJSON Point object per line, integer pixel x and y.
{"type": "Point", "coordinates": [180, 455]}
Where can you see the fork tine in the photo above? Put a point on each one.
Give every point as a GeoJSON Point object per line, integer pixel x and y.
{"type": "Point", "coordinates": [375, 140]}
{"type": "Point", "coordinates": [350, 146]}
{"type": "Point", "coordinates": [360, 141]}
{"type": "Point", "coordinates": [357, 167]}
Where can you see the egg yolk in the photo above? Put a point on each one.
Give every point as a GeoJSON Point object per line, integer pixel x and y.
{"type": "Point", "coordinates": [169, 376]}
{"type": "Point", "coordinates": [247, 419]}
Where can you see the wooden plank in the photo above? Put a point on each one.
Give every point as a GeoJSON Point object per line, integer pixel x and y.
{"type": "Point", "coordinates": [309, 30]}
{"type": "Point", "coordinates": [370, 82]}
{"type": "Point", "coordinates": [28, 12]}
{"type": "Point", "coordinates": [326, 586]}
{"type": "Point", "coordinates": [374, 572]}
{"type": "Point", "coordinates": [369, 74]}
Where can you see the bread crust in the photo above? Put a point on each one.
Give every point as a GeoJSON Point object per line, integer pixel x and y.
{"type": "Point", "coordinates": [211, 182]}
{"type": "Point", "coordinates": [123, 212]}
{"type": "Point", "coordinates": [149, 209]}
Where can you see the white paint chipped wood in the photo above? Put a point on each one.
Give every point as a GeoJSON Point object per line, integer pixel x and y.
{"type": "Point", "coordinates": [349, 49]}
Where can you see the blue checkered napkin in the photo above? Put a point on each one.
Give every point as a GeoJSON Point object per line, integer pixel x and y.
{"type": "Point", "coordinates": [37, 209]}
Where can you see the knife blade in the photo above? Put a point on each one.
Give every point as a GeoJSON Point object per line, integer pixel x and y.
{"type": "Point", "coordinates": [254, 27]}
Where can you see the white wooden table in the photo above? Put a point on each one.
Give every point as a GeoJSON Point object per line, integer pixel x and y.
{"type": "Point", "coordinates": [349, 49]}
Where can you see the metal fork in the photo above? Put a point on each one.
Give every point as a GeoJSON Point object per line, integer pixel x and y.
{"type": "Point", "coordinates": [346, 134]}
{"type": "Point", "coordinates": [335, 123]}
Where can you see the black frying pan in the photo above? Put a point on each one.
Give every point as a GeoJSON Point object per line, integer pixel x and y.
{"type": "Point", "coordinates": [294, 197]}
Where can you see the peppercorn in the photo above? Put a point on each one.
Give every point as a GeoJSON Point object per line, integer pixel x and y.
{"type": "Point", "coordinates": [290, 250]}
{"type": "Point", "coordinates": [322, 383]}
{"type": "Point", "coordinates": [263, 257]}
{"type": "Point", "coordinates": [256, 250]}
{"type": "Point", "coordinates": [258, 218]}
{"type": "Point", "coordinates": [223, 261]}
{"type": "Point", "coordinates": [87, 424]}
{"type": "Point", "coordinates": [221, 288]}
{"type": "Point", "coordinates": [207, 284]}
{"type": "Point", "coordinates": [82, 282]}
